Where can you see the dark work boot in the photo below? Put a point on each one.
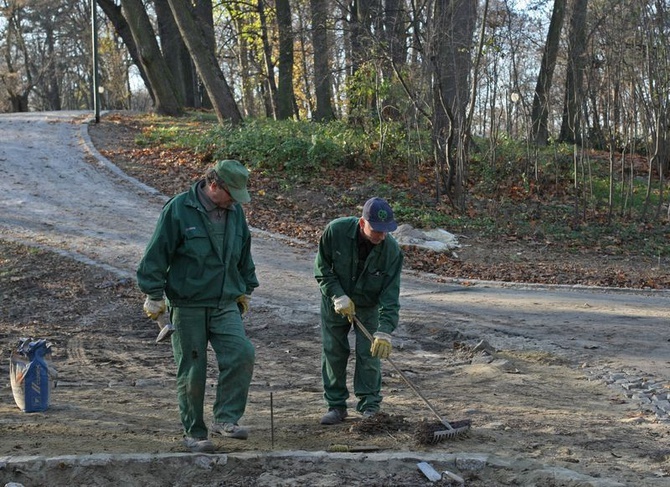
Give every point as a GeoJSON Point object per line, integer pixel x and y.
{"type": "Point", "coordinates": [368, 413]}
{"type": "Point", "coordinates": [334, 416]}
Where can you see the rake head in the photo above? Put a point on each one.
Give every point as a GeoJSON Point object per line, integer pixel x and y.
{"type": "Point", "coordinates": [430, 434]}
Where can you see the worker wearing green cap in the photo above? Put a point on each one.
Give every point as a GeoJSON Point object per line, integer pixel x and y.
{"type": "Point", "coordinates": [198, 267]}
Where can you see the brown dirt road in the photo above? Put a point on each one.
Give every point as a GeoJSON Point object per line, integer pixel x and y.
{"type": "Point", "coordinates": [72, 233]}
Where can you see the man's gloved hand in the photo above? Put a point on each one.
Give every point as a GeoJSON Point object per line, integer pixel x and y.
{"type": "Point", "coordinates": [345, 307]}
{"type": "Point", "coordinates": [243, 303]}
{"type": "Point", "coordinates": [153, 308]}
{"type": "Point", "coordinates": [381, 347]}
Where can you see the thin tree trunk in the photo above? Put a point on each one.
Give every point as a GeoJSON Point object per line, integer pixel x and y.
{"type": "Point", "coordinates": [53, 85]}
{"type": "Point", "coordinates": [305, 88]}
{"type": "Point", "coordinates": [176, 55]}
{"type": "Point", "coordinates": [286, 105]}
{"type": "Point", "coordinates": [322, 75]}
{"type": "Point", "coordinates": [247, 83]}
{"type": "Point", "coordinates": [453, 30]}
{"type": "Point", "coordinates": [204, 14]}
{"type": "Point", "coordinates": [395, 32]}
{"type": "Point", "coordinates": [570, 126]}
{"type": "Point", "coordinates": [114, 14]}
{"type": "Point", "coordinates": [206, 63]}
{"type": "Point", "coordinates": [540, 110]}
{"type": "Point", "coordinates": [158, 74]}
{"type": "Point", "coordinates": [267, 56]}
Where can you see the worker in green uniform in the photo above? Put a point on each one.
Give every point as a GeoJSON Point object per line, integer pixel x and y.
{"type": "Point", "coordinates": [358, 268]}
{"type": "Point", "coordinates": [198, 267]}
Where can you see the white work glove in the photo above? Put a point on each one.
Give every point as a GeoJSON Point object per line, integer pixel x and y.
{"type": "Point", "coordinates": [243, 303]}
{"type": "Point", "coordinates": [345, 307]}
{"type": "Point", "coordinates": [153, 308]}
{"type": "Point", "coordinates": [381, 347]}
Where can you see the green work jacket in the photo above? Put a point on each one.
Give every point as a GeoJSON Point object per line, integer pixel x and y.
{"type": "Point", "coordinates": [378, 285]}
{"type": "Point", "coordinates": [193, 264]}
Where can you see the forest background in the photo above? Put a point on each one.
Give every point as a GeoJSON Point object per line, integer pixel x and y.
{"type": "Point", "coordinates": [541, 123]}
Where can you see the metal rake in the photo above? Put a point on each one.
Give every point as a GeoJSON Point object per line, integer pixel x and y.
{"type": "Point", "coordinates": [450, 432]}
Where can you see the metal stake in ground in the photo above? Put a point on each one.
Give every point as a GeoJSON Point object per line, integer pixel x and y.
{"type": "Point", "coordinates": [450, 431]}
{"type": "Point", "coordinates": [272, 423]}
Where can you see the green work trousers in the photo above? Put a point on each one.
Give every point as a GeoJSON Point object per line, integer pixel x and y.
{"type": "Point", "coordinates": [235, 355]}
{"type": "Point", "coordinates": [335, 356]}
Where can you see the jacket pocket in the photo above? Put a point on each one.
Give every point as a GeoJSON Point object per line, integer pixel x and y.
{"type": "Point", "coordinates": [196, 244]}
{"type": "Point", "coordinates": [374, 281]}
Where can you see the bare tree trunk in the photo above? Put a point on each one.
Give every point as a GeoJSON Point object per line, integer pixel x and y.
{"type": "Point", "coordinates": [17, 90]}
{"type": "Point", "coordinates": [176, 55]}
{"type": "Point", "coordinates": [18, 102]}
{"type": "Point", "coordinates": [304, 86]}
{"type": "Point", "coordinates": [114, 14]}
{"type": "Point", "coordinates": [247, 81]}
{"type": "Point", "coordinates": [158, 74]}
{"type": "Point", "coordinates": [540, 110]}
{"type": "Point", "coordinates": [394, 30]}
{"type": "Point", "coordinates": [452, 34]}
{"type": "Point", "coordinates": [204, 15]}
{"type": "Point", "coordinates": [274, 109]}
{"type": "Point", "coordinates": [206, 63]}
{"type": "Point", "coordinates": [53, 85]}
{"type": "Point", "coordinates": [570, 126]}
{"type": "Point", "coordinates": [465, 135]}
{"type": "Point", "coordinates": [394, 39]}
{"type": "Point", "coordinates": [286, 105]}
{"type": "Point", "coordinates": [322, 75]}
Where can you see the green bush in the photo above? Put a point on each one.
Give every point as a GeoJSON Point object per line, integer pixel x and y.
{"type": "Point", "coordinates": [299, 149]}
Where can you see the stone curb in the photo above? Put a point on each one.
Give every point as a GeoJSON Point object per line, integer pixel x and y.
{"type": "Point", "coordinates": [40, 467]}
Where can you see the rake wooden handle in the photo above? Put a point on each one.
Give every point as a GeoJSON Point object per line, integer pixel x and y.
{"type": "Point", "coordinates": [365, 332]}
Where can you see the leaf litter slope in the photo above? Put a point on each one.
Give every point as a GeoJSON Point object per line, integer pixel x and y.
{"type": "Point", "coordinates": [302, 211]}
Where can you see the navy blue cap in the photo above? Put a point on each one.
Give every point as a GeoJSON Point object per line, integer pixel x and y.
{"type": "Point", "coordinates": [378, 213]}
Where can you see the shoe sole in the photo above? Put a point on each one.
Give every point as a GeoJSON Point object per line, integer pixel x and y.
{"type": "Point", "coordinates": [235, 436]}
{"type": "Point", "coordinates": [202, 450]}
{"type": "Point", "coordinates": [330, 422]}
{"type": "Point", "coordinates": [207, 448]}
{"type": "Point", "coordinates": [240, 435]}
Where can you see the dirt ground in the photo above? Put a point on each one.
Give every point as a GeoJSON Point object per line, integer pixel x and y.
{"type": "Point", "coordinates": [115, 392]}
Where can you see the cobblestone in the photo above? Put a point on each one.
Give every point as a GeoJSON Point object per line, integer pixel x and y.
{"type": "Point", "coordinates": [653, 395]}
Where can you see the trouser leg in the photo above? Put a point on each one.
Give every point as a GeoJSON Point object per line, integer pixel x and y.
{"type": "Point", "coordinates": [235, 357]}
{"type": "Point", "coordinates": [334, 357]}
{"type": "Point", "coordinates": [189, 345]}
{"type": "Point", "coordinates": [367, 374]}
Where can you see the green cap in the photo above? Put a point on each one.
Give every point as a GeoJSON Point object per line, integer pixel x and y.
{"type": "Point", "coordinates": [235, 176]}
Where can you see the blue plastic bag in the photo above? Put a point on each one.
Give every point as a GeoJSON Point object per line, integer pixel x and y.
{"type": "Point", "coordinates": [32, 375]}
